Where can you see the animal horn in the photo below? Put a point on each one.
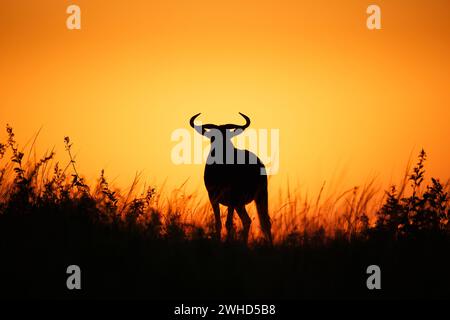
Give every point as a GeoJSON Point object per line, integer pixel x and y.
{"type": "Point", "coordinates": [191, 122]}
{"type": "Point", "coordinates": [201, 129]}
{"type": "Point", "coordinates": [236, 126]}
{"type": "Point", "coordinates": [247, 122]}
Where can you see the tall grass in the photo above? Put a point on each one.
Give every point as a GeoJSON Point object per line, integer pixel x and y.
{"type": "Point", "coordinates": [34, 185]}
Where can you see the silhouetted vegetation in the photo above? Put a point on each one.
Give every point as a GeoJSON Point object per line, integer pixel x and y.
{"type": "Point", "coordinates": [127, 246]}
{"type": "Point", "coordinates": [420, 213]}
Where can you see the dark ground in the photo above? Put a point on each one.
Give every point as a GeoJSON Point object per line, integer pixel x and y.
{"type": "Point", "coordinates": [118, 263]}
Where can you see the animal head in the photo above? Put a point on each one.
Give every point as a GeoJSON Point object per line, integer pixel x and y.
{"type": "Point", "coordinates": [227, 131]}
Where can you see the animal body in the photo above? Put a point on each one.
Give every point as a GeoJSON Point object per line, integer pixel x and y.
{"type": "Point", "coordinates": [234, 178]}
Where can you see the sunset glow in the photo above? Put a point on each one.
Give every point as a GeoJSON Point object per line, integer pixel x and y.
{"type": "Point", "coordinates": [350, 103]}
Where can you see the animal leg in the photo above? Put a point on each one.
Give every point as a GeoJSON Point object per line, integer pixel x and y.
{"type": "Point", "coordinates": [216, 209]}
{"type": "Point", "coordinates": [229, 224]}
{"type": "Point", "coordinates": [246, 221]}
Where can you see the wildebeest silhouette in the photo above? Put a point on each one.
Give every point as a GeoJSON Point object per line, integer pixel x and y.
{"type": "Point", "coordinates": [234, 178]}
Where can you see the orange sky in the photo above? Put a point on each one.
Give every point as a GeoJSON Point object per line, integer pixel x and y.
{"type": "Point", "coordinates": [345, 99]}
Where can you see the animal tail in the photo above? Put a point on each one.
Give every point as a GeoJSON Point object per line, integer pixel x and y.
{"type": "Point", "coordinates": [262, 206]}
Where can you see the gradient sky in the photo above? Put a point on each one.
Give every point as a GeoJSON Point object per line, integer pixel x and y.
{"type": "Point", "coordinates": [346, 99]}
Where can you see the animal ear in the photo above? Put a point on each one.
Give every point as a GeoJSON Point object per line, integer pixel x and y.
{"type": "Point", "coordinates": [208, 133]}
{"type": "Point", "coordinates": [236, 132]}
